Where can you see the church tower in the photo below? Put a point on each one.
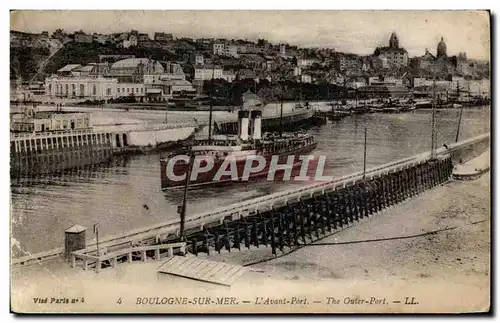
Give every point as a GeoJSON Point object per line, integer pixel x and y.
{"type": "Point", "coordinates": [441, 48]}
{"type": "Point", "coordinates": [394, 41]}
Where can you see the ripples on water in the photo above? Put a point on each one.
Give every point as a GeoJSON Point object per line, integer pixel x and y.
{"type": "Point", "coordinates": [114, 195]}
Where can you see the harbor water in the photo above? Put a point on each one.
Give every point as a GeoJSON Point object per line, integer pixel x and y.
{"type": "Point", "coordinates": [126, 194]}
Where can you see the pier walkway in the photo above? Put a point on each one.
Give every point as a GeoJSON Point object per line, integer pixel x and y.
{"type": "Point", "coordinates": [392, 182]}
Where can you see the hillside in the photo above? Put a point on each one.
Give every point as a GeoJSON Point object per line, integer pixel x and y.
{"type": "Point", "coordinates": [24, 60]}
{"type": "Point", "coordinates": [84, 53]}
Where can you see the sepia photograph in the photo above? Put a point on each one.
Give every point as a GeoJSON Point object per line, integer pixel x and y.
{"type": "Point", "coordinates": [250, 161]}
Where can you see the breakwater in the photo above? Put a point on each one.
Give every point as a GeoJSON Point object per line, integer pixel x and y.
{"type": "Point", "coordinates": [311, 218]}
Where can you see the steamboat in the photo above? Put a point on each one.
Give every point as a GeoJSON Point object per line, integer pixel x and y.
{"type": "Point", "coordinates": [237, 151]}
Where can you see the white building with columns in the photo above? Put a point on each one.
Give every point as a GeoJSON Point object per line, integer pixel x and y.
{"type": "Point", "coordinates": [88, 87]}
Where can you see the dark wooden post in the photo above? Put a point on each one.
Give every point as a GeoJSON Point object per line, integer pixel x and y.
{"type": "Point", "coordinates": [328, 213]}
{"type": "Point", "coordinates": [237, 238]}
{"type": "Point", "coordinates": [303, 226]}
{"type": "Point", "coordinates": [273, 237]}
{"type": "Point", "coordinates": [226, 240]}
{"type": "Point", "coordinates": [207, 245]}
{"type": "Point", "coordinates": [195, 247]}
{"type": "Point", "coordinates": [255, 237]}
{"type": "Point", "coordinates": [247, 236]}
{"type": "Point", "coordinates": [217, 242]}
{"type": "Point", "coordinates": [264, 231]}
{"type": "Point", "coordinates": [280, 233]}
{"type": "Point", "coordinates": [295, 229]}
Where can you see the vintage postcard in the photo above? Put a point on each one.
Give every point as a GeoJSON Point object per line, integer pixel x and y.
{"type": "Point", "coordinates": [250, 161]}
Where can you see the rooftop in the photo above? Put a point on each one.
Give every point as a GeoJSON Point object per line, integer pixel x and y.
{"type": "Point", "coordinates": [130, 62]}
{"type": "Point", "coordinates": [87, 68]}
{"type": "Point", "coordinates": [391, 49]}
{"type": "Point", "coordinates": [69, 68]}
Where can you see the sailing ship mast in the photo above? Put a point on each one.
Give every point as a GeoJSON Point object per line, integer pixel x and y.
{"type": "Point", "coordinates": [182, 209]}
{"type": "Point", "coordinates": [211, 104]}
{"type": "Point", "coordinates": [461, 112]}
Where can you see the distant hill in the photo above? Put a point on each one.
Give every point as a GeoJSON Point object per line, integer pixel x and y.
{"type": "Point", "coordinates": [84, 53]}
{"type": "Point", "coordinates": [24, 60]}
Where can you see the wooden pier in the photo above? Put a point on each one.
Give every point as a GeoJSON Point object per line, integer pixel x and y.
{"type": "Point", "coordinates": [293, 217]}
{"type": "Point", "coordinates": [91, 257]}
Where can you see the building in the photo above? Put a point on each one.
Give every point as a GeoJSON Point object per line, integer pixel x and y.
{"type": "Point", "coordinates": [130, 89]}
{"type": "Point", "coordinates": [131, 41]}
{"type": "Point", "coordinates": [393, 55]}
{"type": "Point", "coordinates": [426, 61]}
{"type": "Point", "coordinates": [207, 72]}
{"type": "Point", "coordinates": [172, 71]}
{"type": "Point", "coordinates": [44, 121]}
{"type": "Point", "coordinates": [225, 50]}
{"type": "Point", "coordinates": [297, 71]}
{"type": "Point", "coordinates": [143, 38]}
{"type": "Point", "coordinates": [100, 38]}
{"type": "Point", "coordinates": [392, 80]}
{"type": "Point", "coordinates": [246, 73]}
{"type": "Point", "coordinates": [153, 78]}
{"type": "Point", "coordinates": [441, 49]}
{"type": "Point", "coordinates": [464, 66]}
{"type": "Point", "coordinates": [385, 91]}
{"type": "Point", "coordinates": [81, 87]}
{"type": "Point", "coordinates": [242, 49]}
{"type": "Point", "coordinates": [178, 89]}
{"type": "Point", "coordinates": [228, 76]}
{"type": "Point", "coordinates": [68, 70]}
{"type": "Point", "coordinates": [283, 50]}
{"type": "Point", "coordinates": [199, 59]}
{"type": "Point", "coordinates": [87, 70]}
{"type": "Point", "coordinates": [132, 70]}
{"type": "Point", "coordinates": [306, 62]}
{"type": "Point", "coordinates": [218, 49]}
{"type": "Point", "coordinates": [305, 78]}
{"type": "Point", "coordinates": [231, 51]}
{"type": "Point", "coordinates": [347, 62]}
{"type": "Point", "coordinates": [419, 82]}
{"type": "Point", "coordinates": [163, 37]}
{"type": "Point", "coordinates": [440, 65]}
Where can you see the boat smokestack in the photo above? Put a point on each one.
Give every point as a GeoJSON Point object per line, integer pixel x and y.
{"type": "Point", "coordinates": [243, 124]}
{"type": "Point", "coordinates": [256, 116]}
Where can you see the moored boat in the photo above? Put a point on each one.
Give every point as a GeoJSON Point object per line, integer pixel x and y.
{"type": "Point", "coordinates": [211, 157]}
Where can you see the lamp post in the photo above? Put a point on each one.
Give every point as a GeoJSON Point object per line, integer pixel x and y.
{"type": "Point", "coordinates": [96, 232]}
{"type": "Point", "coordinates": [283, 89]}
{"type": "Point", "coordinates": [433, 119]}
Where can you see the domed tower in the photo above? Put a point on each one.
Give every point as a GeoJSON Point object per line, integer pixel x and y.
{"type": "Point", "coordinates": [394, 41]}
{"type": "Point", "coordinates": [441, 48]}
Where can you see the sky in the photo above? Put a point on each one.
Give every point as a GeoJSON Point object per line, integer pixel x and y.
{"type": "Point", "coordinates": [358, 32]}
